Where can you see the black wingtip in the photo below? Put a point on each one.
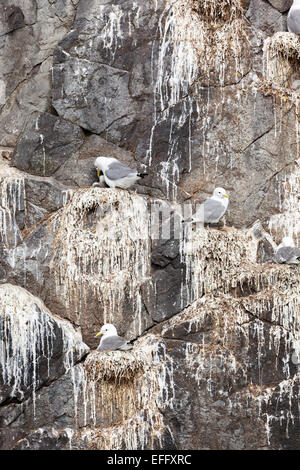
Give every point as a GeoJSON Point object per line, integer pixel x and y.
{"type": "Point", "coordinates": [142, 175]}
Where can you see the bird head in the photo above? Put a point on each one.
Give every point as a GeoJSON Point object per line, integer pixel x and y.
{"type": "Point", "coordinates": [98, 164]}
{"type": "Point", "coordinates": [102, 163]}
{"type": "Point", "coordinates": [220, 193]}
{"type": "Point", "coordinates": [287, 241]}
{"type": "Point", "coordinates": [107, 330]}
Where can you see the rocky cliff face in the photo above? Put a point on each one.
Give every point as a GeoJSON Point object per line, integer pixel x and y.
{"type": "Point", "coordinates": [201, 93]}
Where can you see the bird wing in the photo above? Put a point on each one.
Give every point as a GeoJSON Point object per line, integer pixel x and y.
{"type": "Point", "coordinates": [117, 170]}
{"type": "Point", "coordinates": [210, 210]}
{"type": "Point", "coordinates": [293, 21]}
{"type": "Point", "coordinates": [111, 343]}
{"type": "Point", "coordinates": [286, 253]}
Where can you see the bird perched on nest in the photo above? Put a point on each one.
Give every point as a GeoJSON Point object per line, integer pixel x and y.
{"type": "Point", "coordinates": [287, 253]}
{"type": "Point", "coordinates": [213, 209]}
{"type": "Point", "coordinates": [110, 340]}
{"type": "Point", "coordinates": [293, 19]}
{"type": "Point", "coordinates": [116, 174]}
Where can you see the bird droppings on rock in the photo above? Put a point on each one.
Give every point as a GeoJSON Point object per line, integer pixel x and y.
{"type": "Point", "coordinates": [33, 343]}
{"type": "Point", "coordinates": [12, 210]}
{"type": "Point", "coordinates": [100, 258]}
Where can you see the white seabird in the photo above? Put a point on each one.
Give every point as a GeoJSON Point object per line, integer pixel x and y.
{"type": "Point", "coordinates": [116, 174]}
{"type": "Point", "coordinates": [213, 209]}
{"type": "Point", "coordinates": [110, 340]}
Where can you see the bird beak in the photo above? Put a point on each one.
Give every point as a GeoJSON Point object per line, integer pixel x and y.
{"type": "Point", "coordinates": [98, 334]}
{"type": "Point", "coordinates": [226, 195]}
{"type": "Point", "coordinates": [98, 173]}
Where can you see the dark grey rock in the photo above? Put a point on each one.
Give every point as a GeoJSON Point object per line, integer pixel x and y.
{"type": "Point", "coordinates": [95, 118]}
{"type": "Point", "coordinates": [122, 72]}
{"type": "Point", "coordinates": [263, 16]}
{"type": "Point", "coordinates": [45, 438]}
{"type": "Point", "coordinates": [35, 265]}
{"type": "Point", "coordinates": [25, 71]}
{"type": "Point", "coordinates": [14, 17]}
{"type": "Point", "coordinates": [43, 196]}
{"type": "Point", "coordinates": [265, 251]}
{"type": "Point", "coordinates": [281, 5]}
{"type": "Point", "coordinates": [165, 297]}
{"type": "Point", "coordinates": [50, 419]}
{"type": "Point", "coordinates": [48, 142]}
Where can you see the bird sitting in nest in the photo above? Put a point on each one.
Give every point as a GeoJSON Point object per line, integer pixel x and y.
{"type": "Point", "coordinates": [110, 340]}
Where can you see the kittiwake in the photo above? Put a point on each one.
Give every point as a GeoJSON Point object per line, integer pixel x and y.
{"type": "Point", "coordinates": [116, 174]}
{"type": "Point", "coordinates": [293, 19]}
{"type": "Point", "coordinates": [211, 210]}
{"type": "Point", "coordinates": [110, 340]}
{"type": "Point", "coordinates": [287, 253]}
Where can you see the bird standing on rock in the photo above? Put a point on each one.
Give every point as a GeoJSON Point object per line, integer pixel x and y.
{"type": "Point", "coordinates": [213, 209]}
{"type": "Point", "coordinates": [293, 19]}
{"type": "Point", "coordinates": [115, 173]}
{"type": "Point", "coordinates": [110, 340]}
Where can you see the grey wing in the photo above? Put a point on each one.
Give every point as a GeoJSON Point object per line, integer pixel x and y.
{"type": "Point", "coordinates": [112, 343]}
{"type": "Point", "coordinates": [117, 170]}
{"type": "Point", "coordinates": [213, 210]}
{"type": "Point", "coordinates": [293, 22]}
{"type": "Point", "coordinates": [286, 253]}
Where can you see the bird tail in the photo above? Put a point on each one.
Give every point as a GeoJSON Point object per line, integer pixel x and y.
{"type": "Point", "coordinates": [142, 175]}
{"type": "Point", "coordinates": [127, 346]}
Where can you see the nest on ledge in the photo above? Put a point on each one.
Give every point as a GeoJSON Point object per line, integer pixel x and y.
{"type": "Point", "coordinates": [286, 44]}
{"type": "Point", "coordinates": [115, 366]}
{"type": "Point", "coordinates": [281, 54]}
